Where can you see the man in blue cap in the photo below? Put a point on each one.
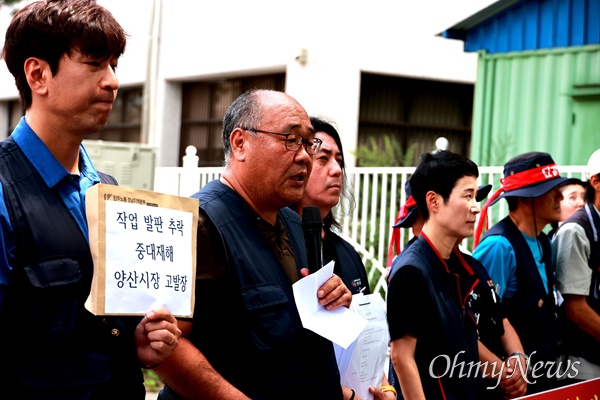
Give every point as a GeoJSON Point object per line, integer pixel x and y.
{"type": "Point", "coordinates": [518, 257]}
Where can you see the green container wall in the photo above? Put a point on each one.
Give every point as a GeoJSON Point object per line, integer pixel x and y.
{"type": "Point", "coordinates": [543, 100]}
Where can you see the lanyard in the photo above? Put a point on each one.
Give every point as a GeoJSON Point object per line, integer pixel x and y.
{"type": "Point", "coordinates": [464, 264]}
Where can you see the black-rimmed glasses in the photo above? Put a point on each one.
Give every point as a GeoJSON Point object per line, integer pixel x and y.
{"type": "Point", "coordinates": [293, 141]}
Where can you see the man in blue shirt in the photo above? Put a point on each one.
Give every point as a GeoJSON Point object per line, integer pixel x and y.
{"type": "Point", "coordinates": [518, 258]}
{"type": "Point", "coordinates": [63, 55]}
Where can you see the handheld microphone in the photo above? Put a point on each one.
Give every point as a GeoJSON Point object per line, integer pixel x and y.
{"type": "Point", "coordinates": [312, 224]}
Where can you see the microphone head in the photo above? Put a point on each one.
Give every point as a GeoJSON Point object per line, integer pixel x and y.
{"type": "Point", "coordinates": [311, 216]}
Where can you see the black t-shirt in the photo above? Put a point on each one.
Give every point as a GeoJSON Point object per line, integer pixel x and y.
{"type": "Point", "coordinates": [429, 302]}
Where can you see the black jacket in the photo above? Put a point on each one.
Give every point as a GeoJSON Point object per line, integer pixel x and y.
{"type": "Point", "coordinates": [56, 349]}
{"type": "Point", "coordinates": [251, 331]}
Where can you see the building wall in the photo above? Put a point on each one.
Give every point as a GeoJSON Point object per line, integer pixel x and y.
{"type": "Point", "coordinates": [175, 41]}
{"type": "Point", "coordinates": [543, 100]}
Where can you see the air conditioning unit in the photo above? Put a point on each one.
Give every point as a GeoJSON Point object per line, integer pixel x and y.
{"type": "Point", "coordinates": [132, 164]}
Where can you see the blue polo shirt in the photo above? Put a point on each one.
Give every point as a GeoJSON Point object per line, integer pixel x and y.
{"type": "Point", "coordinates": [71, 188]}
{"type": "Point", "coordinates": [498, 257]}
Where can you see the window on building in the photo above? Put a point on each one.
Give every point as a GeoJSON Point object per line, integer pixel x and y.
{"type": "Point", "coordinates": [15, 112]}
{"type": "Point", "coordinates": [203, 108]}
{"type": "Point", "coordinates": [125, 120]}
{"type": "Point", "coordinates": [414, 113]}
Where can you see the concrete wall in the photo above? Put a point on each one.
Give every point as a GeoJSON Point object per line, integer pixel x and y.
{"type": "Point", "coordinates": [198, 40]}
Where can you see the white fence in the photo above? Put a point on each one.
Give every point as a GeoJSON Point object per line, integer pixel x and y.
{"type": "Point", "coordinates": [367, 223]}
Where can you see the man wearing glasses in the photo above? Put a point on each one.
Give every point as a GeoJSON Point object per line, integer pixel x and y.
{"type": "Point", "coordinates": [246, 339]}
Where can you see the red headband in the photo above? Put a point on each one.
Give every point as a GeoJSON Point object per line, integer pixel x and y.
{"type": "Point", "coordinates": [405, 209]}
{"type": "Point", "coordinates": [514, 182]}
{"type": "Point", "coordinates": [529, 177]}
{"type": "Point", "coordinates": [395, 239]}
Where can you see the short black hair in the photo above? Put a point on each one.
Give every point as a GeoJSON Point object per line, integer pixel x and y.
{"type": "Point", "coordinates": [49, 29]}
{"type": "Point", "coordinates": [438, 172]}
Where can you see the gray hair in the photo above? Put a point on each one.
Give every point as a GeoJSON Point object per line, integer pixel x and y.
{"type": "Point", "coordinates": [245, 112]}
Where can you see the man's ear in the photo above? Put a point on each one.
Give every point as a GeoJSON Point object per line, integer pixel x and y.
{"type": "Point", "coordinates": [37, 72]}
{"type": "Point", "coordinates": [237, 140]}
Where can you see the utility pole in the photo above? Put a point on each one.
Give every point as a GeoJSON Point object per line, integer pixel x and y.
{"type": "Point", "coordinates": [150, 83]}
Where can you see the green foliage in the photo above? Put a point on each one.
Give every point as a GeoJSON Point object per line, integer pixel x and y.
{"type": "Point", "coordinates": [12, 4]}
{"type": "Point", "coordinates": [8, 2]}
{"type": "Point", "coordinates": [152, 381]}
{"type": "Point", "coordinates": [391, 155]}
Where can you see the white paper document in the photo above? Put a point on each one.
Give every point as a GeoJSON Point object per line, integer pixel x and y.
{"type": "Point", "coordinates": [342, 326]}
{"type": "Point", "coordinates": [362, 364]}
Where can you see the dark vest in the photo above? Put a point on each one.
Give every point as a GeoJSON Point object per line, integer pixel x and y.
{"type": "Point", "coordinates": [579, 343]}
{"type": "Point", "coordinates": [273, 356]}
{"type": "Point", "coordinates": [348, 264]}
{"type": "Point", "coordinates": [455, 328]}
{"type": "Point", "coordinates": [486, 311]}
{"type": "Point", "coordinates": [531, 311]}
{"type": "Point", "coordinates": [57, 347]}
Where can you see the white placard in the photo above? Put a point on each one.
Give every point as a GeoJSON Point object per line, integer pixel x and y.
{"type": "Point", "coordinates": [148, 257]}
{"type": "Point", "coordinates": [143, 246]}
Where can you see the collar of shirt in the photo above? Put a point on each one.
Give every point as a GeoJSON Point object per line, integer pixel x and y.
{"type": "Point", "coordinates": [71, 188]}
{"type": "Point", "coordinates": [50, 169]}
{"type": "Point", "coordinates": [280, 244]}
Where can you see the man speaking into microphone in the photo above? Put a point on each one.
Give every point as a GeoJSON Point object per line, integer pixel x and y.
{"type": "Point", "coordinates": [246, 339]}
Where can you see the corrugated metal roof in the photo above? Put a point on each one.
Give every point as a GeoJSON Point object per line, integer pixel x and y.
{"type": "Point", "coordinates": [518, 25]}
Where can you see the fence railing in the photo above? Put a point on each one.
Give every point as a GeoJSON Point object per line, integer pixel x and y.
{"type": "Point", "coordinates": [367, 219]}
